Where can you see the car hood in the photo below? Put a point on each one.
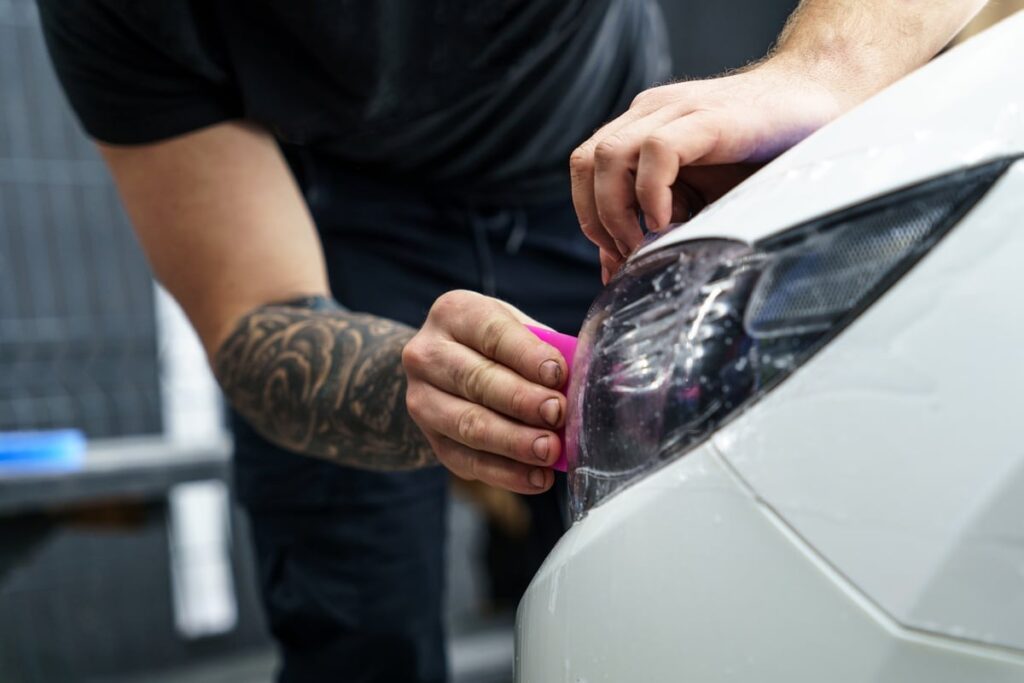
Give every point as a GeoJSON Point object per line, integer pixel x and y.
{"type": "Point", "coordinates": [964, 107]}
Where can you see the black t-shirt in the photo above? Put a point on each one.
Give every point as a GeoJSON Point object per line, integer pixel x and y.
{"type": "Point", "coordinates": [482, 98]}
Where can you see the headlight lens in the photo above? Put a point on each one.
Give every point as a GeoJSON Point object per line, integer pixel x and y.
{"type": "Point", "coordinates": [688, 335]}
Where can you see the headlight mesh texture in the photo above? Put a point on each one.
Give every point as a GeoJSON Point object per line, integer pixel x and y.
{"type": "Point", "coordinates": [809, 283]}
{"type": "Point", "coordinates": [688, 335]}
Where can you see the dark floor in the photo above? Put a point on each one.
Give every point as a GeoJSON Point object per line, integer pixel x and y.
{"type": "Point", "coordinates": [482, 657]}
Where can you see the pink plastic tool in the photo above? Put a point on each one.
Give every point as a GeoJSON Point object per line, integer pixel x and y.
{"type": "Point", "coordinates": [566, 345]}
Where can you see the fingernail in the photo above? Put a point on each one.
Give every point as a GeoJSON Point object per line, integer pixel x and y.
{"type": "Point", "coordinates": [623, 249]}
{"type": "Point", "coordinates": [540, 448]}
{"type": "Point", "coordinates": [551, 410]}
{"type": "Point", "coordinates": [605, 275]}
{"type": "Point", "coordinates": [537, 478]}
{"type": "Point", "coordinates": [551, 373]}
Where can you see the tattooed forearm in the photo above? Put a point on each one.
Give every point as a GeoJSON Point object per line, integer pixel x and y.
{"type": "Point", "coordinates": [321, 380]}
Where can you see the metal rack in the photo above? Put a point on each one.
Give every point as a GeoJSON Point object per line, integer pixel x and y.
{"type": "Point", "coordinates": [77, 322]}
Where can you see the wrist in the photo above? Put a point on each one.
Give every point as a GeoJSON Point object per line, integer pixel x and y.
{"type": "Point", "coordinates": [858, 47]}
{"type": "Point", "coordinates": [845, 79]}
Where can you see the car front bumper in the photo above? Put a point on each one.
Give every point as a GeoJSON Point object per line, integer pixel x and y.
{"type": "Point", "coordinates": [688, 576]}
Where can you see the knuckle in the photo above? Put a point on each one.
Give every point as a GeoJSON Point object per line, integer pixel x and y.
{"type": "Point", "coordinates": [590, 232]}
{"type": "Point", "coordinates": [652, 97]}
{"type": "Point", "coordinates": [642, 99]}
{"type": "Point", "coordinates": [413, 402]}
{"type": "Point", "coordinates": [473, 467]}
{"type": "Point", "coordinates": [610, 215]}
{"type": "Point", "coordinates": [448, 304]}
{"type": "Point", "coordinates": [583, 217]}
{"type": "Point", "coordinates": [442, 302]}
{"type": "Point", "coordinates": [515, 444]}
{"type": "Point", "coordinates": [580, 161]}
{"type": "Point", "coordinates": [607, 149]}
{"type": "Point", "coordinates": [518, 401]}
{"type": "Point", "coordinates": [473, 380]}
{"type": "Point", "coordinates": [656, 144]}
{"type": "Point", "coordinates": [646, 193]}
{"type": "Point", "coordinates": [470, 426]}
{"type": "Point", "coordinates": [519, 356]}
{"type": "Point", "coordinates": [414, 355]}
{"type": "Point", "coordinates": [493, 335]}
{"type": "Point", "coordinates": [596, 234]}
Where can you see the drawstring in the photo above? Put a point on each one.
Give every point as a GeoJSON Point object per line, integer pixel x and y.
{"type": "Point", "coordinates": [517, 235]}
{"type": "Point", "coordinates": [481, 240]}
{"type": "Point", "coordinates": [484, 260]}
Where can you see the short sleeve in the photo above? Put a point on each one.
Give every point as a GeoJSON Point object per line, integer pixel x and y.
{"type": "Point", "coordinates": [138, 72]}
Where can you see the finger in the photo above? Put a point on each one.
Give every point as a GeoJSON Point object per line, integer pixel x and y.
{"type": "Point", "coordinates": [487, 327]}
{"type": "Point", "coordinates": [675, 144]}
{"type": "Point", "coordinates": [609, 267]}
{"type": "Point", "coordinates": [482, 429]}
{"type": "Point", "coordinates": [644, 104]}
{"type": "Point", "coordinates": [460, 371]}
{"type": "Point", "coordinates": [615, 162]}
{"type": "Point", "coordinates": [581, 174]}
{"type": "Point", "coordinates": [492, 469]}
{"type": "Point", "coordinates": [581, 171]}
{"type": "Point", "coordinates": [614, 195]}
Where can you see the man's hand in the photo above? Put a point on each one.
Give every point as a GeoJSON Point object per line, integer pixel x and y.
{"type": "Point", "coordinates": [484, 390]}
{"type": "Point", "coordinates": [681, 146]}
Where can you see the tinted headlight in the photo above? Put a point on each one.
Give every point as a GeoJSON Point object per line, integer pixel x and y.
{"type": "Point", "coordinates": [687, 336]}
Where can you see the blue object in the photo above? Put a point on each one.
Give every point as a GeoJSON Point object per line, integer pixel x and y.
{"type": "Point", "coordinates": [62, 449]}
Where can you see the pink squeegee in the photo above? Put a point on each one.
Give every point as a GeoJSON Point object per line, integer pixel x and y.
{"type": "Point", "coordinates": [566, 345]}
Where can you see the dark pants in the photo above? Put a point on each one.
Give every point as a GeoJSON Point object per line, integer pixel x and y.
{"type": "Point", "coordinates": [351, 561]}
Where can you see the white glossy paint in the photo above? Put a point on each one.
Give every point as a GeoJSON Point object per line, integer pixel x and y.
{"type": "Point", "coordinates": [865, 520]}
{"type": "Point", "coordinates": [897, 451]}
{"type": "Point", "coordinates": [685, 576]}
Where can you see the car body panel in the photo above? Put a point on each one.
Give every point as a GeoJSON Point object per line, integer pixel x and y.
{"type": "Point", "coordinates": [687, 576]}
{"type": "Point", "coordinates": [897, 451]}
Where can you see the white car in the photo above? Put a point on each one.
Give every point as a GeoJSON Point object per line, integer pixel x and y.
{"type": "Point", "coordinates": [797, 423]}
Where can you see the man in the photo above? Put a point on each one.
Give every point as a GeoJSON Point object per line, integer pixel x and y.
{"type": "Point", "coordinates": [309, 179]}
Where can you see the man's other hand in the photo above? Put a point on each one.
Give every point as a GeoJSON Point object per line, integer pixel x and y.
{"type": "Point", "coordinates": [681, 146]}
{"type": "Point", "coordinates": [484, 391]}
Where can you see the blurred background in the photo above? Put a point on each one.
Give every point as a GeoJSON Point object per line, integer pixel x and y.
{"type": "Point", "coordinates": [122, 557]}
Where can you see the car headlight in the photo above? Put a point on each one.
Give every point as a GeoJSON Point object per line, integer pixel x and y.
{"type": "Point", "coordinates": [687, 336]}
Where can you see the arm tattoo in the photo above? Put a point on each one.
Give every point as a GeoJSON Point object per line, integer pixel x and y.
{"type": "Point", "coordinates": [315, 378]}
